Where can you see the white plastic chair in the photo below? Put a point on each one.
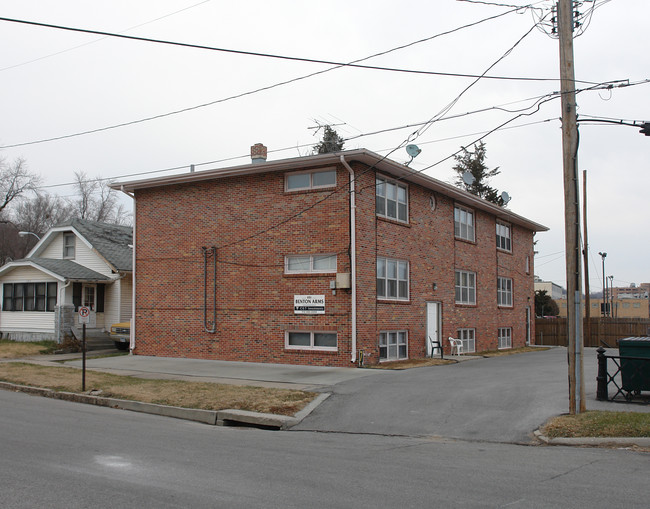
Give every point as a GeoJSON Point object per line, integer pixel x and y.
{"type": "Point", "coordinates": [456, 344]}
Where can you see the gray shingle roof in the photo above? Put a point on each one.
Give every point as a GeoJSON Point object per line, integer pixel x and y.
{"type": "Point", "coordinates": [67, 269]}
{"type": "Point", "coordinates": [110, 240]}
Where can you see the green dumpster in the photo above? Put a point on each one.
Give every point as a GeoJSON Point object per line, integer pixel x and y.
{"type": "Point", "coordinates": [635, 373]}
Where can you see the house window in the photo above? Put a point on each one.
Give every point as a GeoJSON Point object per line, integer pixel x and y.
{"type": "Point", "coordinates": [464, 224]}
{"type": "Point", "coordinates": [504, 291]}
{"type": "Point", "coordinates": [392, 279]}
{"type": "Point", "coordinates": [505, 337]}
{"type": "Point", "coordinates": [467, 336]}
{"type": "Point", "coordinates": [503, 236]}
{"type": "Point", "coordinates": [68, 245]}
{"type": "Point", "coordinates": [465, 287]}
{"type": "Point", "coordinates": [310, 340]}
{"type": "Point", "coordinates": [393, 345]}
{"type": "Point", "coordinates": [310, 264]}
{"type": "Point", "coordinates": [29, 296]}
{"type": "Point", "coordinates": [88, 297]}
{"type": "Point", "coordinates": [391, 199]}
{"type": "Point", "coordinates": [527, 264]}
{"type": "Point", "coordinates": [310, 180]}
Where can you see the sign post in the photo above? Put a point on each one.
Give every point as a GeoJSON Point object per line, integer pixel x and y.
{"type": "Point", "coordinates": [84, 315]}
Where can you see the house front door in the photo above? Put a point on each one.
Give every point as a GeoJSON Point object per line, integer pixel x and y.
{"type": "Point", "coordinates": [433, 328]}
{"type": "Point", "coordinates": [89, 300]}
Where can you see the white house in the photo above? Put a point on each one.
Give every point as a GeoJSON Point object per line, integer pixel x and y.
{"type": "Point", "coordinates": [77, 263]}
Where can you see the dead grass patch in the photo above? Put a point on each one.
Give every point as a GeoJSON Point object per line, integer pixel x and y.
{"type": "Point", "coordinates": [16, 349]}
{"type": "Point", "coordinates": [205, 396]}
{"type": "Point", "coordinates": [513, 351]}
{"type": "Point", "coordinates": [412, 363]}
{"type": "Point", "coordinates": [599, 424]}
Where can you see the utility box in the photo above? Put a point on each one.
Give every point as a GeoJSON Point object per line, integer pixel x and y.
{"type": "Point", "coordinates": [343, 281]}
{"type": "Point", "coordinates": [635, 373]}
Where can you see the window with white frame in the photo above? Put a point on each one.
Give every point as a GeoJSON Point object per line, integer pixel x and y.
{"type": "Point", "coordinates": [527, 264]}
{"type": "Point", "coordinates": [503, 236]}
{"type": "Point", "coordinates": [468, 337]}
{"type": "Point", "coordinates": [505, 337]}
{"type": "Point", "coordinates": [301, 181]}
{"type": "Point", "coordinates": [393, 345]}
{"type": "Point", "coordinates": [68, 246]}
{"type": "Point", "coordinates": [464, 223]}
{"type": "Point", "coordinates": [465, 287]}
{"type": "Point", "coordinates": [391, 199]}
{"type": "Point", "coordinates": [392, 279]}
{"type": "Point", "coordinates": [504, 291]}
{"type": "Point", "coordinates": [310, 264]}
{"type": "Point", "coordinates": [311, 340]}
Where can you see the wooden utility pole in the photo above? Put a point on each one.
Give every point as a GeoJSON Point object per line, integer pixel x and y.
{"type": "Point", "coordinates": [571, 206]}
{"type": "Point", "coordinates": [585, 257]}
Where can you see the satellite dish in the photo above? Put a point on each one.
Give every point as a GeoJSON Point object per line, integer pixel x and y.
{"type": "Point", "coordinates": [413, 150]}
{"type": "Point", "coordinates": [468, 178]}
{"type": "Point", "coordinates": [505, 197]}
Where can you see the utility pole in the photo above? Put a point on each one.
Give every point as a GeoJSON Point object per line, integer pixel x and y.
{"type": "Point", "coordinates": [571, 207]}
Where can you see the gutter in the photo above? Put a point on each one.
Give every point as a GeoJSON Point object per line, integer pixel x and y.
{"type": "Point", "coordinates": [353, 258]}
{"type": "Point", "coordinates": [132, 324]}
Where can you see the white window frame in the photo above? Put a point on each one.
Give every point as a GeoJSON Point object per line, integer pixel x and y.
{"type": "Point", "coordinates": [398, 282]}
{"type": "Point", "coordinates": [464, 224]}
{"type": "Point", "coordinates": [468, 287]}
{"type": "Point", "coordinates": [504, 292]}
{"type": "Point", "coordinates": [382, 200]}
{"type": "Point", "coordinates": [504, 236]}
{"type": "Point", "coordinates": [311, 345]}
{"type": "Point", "coordinates": [311, 259]}
{"type": "Point", "coordinates": [311, 184]}
{"type": "Point", "coordinates": [86, 292]}
{"type": "Point", "coordinates": [69, 247]}
{"type": "Point", "coordinates": [401, 340]}
{"type": "Point", "coordinates": [505, 338]}
{"type": "Point", "coordinates": [468, 337]}
{"type": "Point", "coordinates": [527, 264]}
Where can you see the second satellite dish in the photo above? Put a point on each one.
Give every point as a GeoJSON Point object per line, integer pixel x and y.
{"type": "Point", "coordinates": [413, 151]}
{"type": "Point", "coordinates": [468, 178]}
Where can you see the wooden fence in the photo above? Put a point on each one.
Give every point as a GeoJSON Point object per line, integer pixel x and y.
{"type": "Point", "coordinates": [553, 331]}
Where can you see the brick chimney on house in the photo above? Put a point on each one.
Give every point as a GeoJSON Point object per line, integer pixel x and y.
{"type": "Point", "coordinates": [258, 153]}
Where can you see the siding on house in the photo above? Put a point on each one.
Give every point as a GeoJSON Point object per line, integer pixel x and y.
{"type": "Point", "coordinates": [27, 321]}
{"type": "Point", "coordinates": [246, 217]}
{"type": "Point", "coordinates": [83, 254]}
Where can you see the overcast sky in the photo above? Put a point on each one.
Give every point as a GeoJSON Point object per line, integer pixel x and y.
{"type": "Point", "coordinates": [57, 83]}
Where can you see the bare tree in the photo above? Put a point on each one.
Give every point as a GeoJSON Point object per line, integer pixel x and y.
{"type": "Point", "coordinates": [97, 201]}
{"type": "Point", "coordinates": [15, 180]}
{"type": "Point", "coordinates": [39, 214]}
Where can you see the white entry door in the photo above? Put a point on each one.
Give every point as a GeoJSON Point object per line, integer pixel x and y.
{"type": "Point", "coordinates": [433, 328]}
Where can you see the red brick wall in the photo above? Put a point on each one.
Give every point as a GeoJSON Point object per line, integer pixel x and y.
{"type": "Point", "coordinates": [250, 220]}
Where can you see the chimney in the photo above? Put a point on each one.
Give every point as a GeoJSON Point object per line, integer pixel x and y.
{"type": "Point", "coordinates": [258, 153]}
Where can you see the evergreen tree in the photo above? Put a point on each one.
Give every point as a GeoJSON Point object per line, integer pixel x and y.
{"type": "Point", "coordinates": [474, 163]}
{"type": "Point", "coordinates": [331, 142]}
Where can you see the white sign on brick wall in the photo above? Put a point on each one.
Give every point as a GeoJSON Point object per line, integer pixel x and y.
{"type": "Point", "coordinates": [309, 304]}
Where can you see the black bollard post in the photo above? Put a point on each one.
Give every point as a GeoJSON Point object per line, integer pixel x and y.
{"type": "Point", "coordinates": [601, 378]}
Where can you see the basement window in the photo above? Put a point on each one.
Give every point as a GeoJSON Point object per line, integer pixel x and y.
{"type": "Point", "coordinates": [311, 340]}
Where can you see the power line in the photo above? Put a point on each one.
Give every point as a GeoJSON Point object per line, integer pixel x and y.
{"type": "Point", "coordinates": [250, 92]}
{"type": "Point", "coordinates": [102, 38]}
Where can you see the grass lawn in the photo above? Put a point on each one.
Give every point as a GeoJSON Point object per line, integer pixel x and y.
{"type": "Point", "coordinates": [599, 424]}
{"type": "Point", "coordinates": [206, 396]}
{"type": "Point", "coordinates": [16, 349]}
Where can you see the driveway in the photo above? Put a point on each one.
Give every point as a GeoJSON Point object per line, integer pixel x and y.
{"type": "Point", "coordinates": [500, 399]}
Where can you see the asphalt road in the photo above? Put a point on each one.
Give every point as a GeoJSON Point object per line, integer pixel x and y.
{"type": "Point", "coordinates": [501, 399]}
{"type": "Point", "coordinates": [57, 454]}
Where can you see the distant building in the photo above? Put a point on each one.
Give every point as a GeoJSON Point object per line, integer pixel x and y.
{"type": "Point", "coordinates": [555, 291]}
{"type": "Point", "coordinates": [621, 308]}
{"type": "Point", "coordinates": [632, 292]}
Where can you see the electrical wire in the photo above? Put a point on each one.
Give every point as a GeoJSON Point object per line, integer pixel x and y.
{"type": "Point", "coordinates": [102, 38]}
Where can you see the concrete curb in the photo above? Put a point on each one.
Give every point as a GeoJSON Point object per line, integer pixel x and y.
{"type": "Point", "coordinates": [228, 417]}
{"type": "Point", "coordinates": [595, 441]}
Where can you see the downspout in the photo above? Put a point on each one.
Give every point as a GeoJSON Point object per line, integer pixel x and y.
{"type": "Point", "coordinates": [353, 258]}
{"type": "Point", "coordinates": [132, 327]}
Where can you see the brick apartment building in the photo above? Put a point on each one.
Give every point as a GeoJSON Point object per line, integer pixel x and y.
{"type": "Point", "coordinates": [279, 262]}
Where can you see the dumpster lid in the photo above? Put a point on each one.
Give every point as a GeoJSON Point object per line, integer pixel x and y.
{"type": "Point", "coordinates": [643, 341]}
